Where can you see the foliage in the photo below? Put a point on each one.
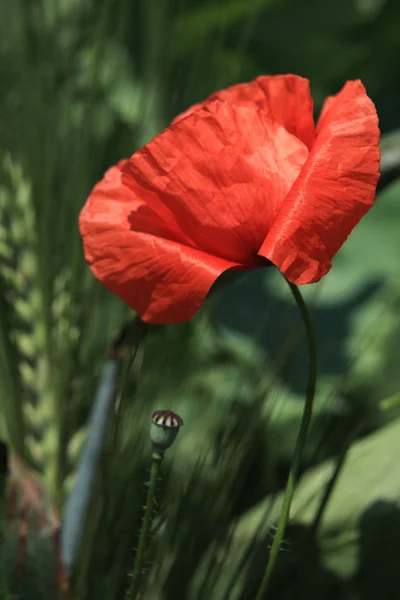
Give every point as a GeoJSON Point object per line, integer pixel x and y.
{"type": "Point", "coordinates": [84, 84]}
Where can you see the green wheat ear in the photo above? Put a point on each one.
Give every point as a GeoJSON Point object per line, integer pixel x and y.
{"type": "Point", "coordinates": [19, 274]}
{"type": "Point", "coordinates": [40, 340]}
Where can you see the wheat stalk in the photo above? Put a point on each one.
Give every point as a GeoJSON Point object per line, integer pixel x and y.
{"type": "Point", "coordinates": [42, 376]}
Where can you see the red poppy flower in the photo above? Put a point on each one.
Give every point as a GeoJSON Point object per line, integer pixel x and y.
{"type": "Point", "coordinates": [239, 181]}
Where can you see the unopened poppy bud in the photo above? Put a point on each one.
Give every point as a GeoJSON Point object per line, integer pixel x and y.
{"type": "Point", "coordinates": [164, 429]}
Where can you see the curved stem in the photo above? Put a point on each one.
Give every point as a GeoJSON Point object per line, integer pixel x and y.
{"type": "Point", "coordinates": [145, 530]}
{"type": "Point", "coordinates": [300, 442]}
{"type": "Point", "coordinates": [78, 504]}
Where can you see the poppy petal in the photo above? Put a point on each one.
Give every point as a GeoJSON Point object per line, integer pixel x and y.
{"type": "Point", "coordinates": [163, 280]}
{"type": "Point", "coordinates": [286, 99]}
{"type": "Point", "coordinates": [335, 188]}
{"type": "Point", "coordinates": [218, 178]}
{"type": "Point", "coordinates": [194, 202]}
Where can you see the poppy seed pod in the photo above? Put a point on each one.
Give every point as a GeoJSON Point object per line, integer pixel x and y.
{"type": "Point", "coordinates": [164, 429]}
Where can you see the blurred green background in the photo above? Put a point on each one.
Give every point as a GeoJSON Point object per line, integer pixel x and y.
{"type": "Point", "coordinates": [83, 84]}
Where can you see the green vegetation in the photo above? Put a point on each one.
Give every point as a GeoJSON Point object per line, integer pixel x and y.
{"type": "Point", "coordinates": [83, 84]}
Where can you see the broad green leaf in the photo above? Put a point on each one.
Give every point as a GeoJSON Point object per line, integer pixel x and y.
{"type": "Point", "coordinates": [368, 490]}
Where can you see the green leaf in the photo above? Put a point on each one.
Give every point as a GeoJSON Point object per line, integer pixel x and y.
{"type": "Point", "coordinates": [356, 525]}
{"type": "Point", "coordinates": [390, 151]}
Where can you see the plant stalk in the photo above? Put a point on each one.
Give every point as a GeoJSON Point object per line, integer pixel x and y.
{"type": "Point", "coordinates": [145, 530]}
{"type": "Point", "coordinates": [300, 442]}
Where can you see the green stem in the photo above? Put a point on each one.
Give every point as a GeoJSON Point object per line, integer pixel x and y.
{"type": "Point", "coordinates": [300, 442]}
{"type": "Point", "coordinates": [145, 530]}
{"type": "Point", "coordinates": [4, 592]}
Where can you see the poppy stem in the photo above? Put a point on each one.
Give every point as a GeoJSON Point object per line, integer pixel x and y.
{"type": "Point", "coordinates": [300, 442]}
{"type": "Point", "coordinates": [145, 529]}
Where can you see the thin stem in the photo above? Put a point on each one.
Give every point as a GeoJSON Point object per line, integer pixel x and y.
{"type": "Point", "coordinates": [145, 530]}
{"type": "Point", "coordinates": [79, 500]}
{"type": "Point", "coordinates": [300, 442]}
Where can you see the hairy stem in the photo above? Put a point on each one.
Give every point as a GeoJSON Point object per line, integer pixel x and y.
{"type": "Point", "coordinates": [300, 442]}
{"type": "Point", "coordinates": [145, 530]}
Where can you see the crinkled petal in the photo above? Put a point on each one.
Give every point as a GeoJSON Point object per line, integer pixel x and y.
{"type": "Point", "coordinates": [335, 188]}
{"type": "Point", "coordinates": [194, 202]}
{"type": "Point", "coordinates": [216, 179]}
{"type": "Point", "coordinates": [165, 281]}
{"type": "Point", "coordinates": [285, 98]}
